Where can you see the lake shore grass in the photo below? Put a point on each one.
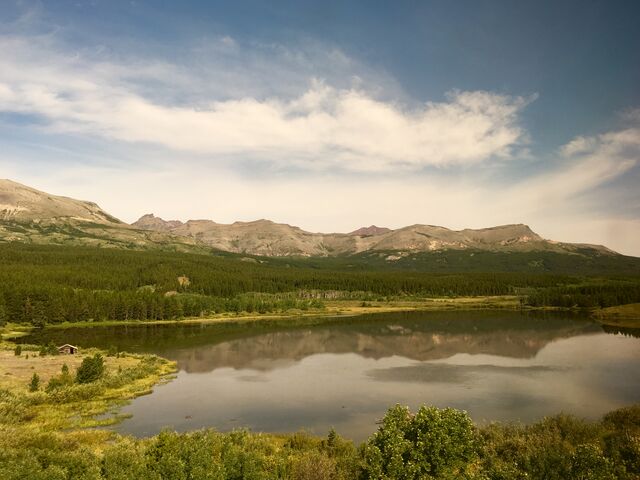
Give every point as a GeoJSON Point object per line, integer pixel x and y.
{"type": "Point", "coordinates": [71, 406]}
{"type": "Point", "coordinates": [620, 316]}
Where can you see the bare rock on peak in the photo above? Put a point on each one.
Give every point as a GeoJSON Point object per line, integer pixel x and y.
{"type": "Point", "coordinates": [370, 231]}
{"type": "Point", "coordinates": [151, 222]}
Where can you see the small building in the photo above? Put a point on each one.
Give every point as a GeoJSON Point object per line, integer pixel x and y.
{"type": "Point", "coordinates": [67, 349]}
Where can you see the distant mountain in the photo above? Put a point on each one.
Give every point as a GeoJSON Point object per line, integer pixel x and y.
{"type": "Point", "coordinates": [266, 238]}
{"type": "Point", "coordinates": [29, 215]}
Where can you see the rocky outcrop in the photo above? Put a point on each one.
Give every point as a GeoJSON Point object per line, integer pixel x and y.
{"type": "Point", "coordinates": [151, 222]}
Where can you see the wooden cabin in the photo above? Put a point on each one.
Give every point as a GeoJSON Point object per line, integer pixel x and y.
{"type": "Point", "coordinates": [67, 349]}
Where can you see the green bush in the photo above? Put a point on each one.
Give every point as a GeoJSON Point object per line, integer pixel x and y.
{"type": "Point", "coordinates": [91, 369]}
{"type": "Point", "coordinates": [433, 443]}
{"type": "Point", "coordinates": [63, 380]}
{"type": "Point", "coordinates": [34, 385]}
{"type": "Point", "coordinates": [622, 440]}
{"type": "Point", "coordinates": [48, 349]}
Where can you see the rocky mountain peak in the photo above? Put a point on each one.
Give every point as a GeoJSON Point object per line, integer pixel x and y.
{"type": "Point", "coordinates": [370, 231]}
{"type": "Point", "coordinates": [150, 222]}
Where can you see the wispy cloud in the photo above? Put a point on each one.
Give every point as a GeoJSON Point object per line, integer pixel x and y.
{"type": "Point", "coordinates": [323, 127]}
{"type": "Point", "coordinates": [586, 163]}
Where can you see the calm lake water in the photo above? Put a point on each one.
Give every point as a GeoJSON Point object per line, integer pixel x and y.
{"type": "Point", "coordinates": [346, 373]}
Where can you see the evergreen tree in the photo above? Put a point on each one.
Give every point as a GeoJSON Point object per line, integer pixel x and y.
{"type": "Point", "coordinates": [34, 385]}
{"type": "Point", "coordinates": [4, 316]}
{"type": "Point", "coordinates": [91, 369]}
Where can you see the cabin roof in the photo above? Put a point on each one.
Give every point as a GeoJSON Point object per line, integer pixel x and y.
{"type": "Point", "coordinates": [67, 345]}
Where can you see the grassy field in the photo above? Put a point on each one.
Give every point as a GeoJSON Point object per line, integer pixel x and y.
{"type": "Point", "coordinates": [73, 406]}
{"type": "Point", "coordinates": [16, 371]}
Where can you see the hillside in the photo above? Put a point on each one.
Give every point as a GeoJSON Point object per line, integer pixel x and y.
{"type": "Point", "coordinates": [22, 204]}
{"type": "Point", "coordinates": [28, 215]}
{"type": "Point", "coordinates": [51, 284]}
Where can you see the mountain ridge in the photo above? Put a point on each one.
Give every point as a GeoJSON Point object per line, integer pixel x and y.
{"type": "Point", "coordinates": [267, 238]}
{"type": "Point", "coordinates": [30, 215]}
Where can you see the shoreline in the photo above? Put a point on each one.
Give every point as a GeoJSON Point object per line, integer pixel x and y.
{"type": "Point", "coordinates": [352, 308]}
{"type": "Point", "coordinates": [333, 309]}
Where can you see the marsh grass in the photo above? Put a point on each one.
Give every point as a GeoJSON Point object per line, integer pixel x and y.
{"type": "Point", "coordinates": [72, 405]}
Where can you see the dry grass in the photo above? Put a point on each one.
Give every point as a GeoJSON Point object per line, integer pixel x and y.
{"type": "Point", "coordinates": [71, 407]}
{"type": "Point", "coordinates": [16, 372]}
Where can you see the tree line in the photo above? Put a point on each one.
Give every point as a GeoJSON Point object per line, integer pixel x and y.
{"type": "Point", "coordinates": [612, 293]}
{"type": "Point", "coordinates": [42, 284]}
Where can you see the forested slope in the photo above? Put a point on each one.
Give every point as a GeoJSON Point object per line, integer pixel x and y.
{"type": "Point", "coordinates": [53, 284]}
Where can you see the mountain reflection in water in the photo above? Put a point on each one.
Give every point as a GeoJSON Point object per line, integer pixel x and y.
{"type": "Point", "coordinates": [268, 376]}
{"type": "Point", "coordinates": [416, 341]}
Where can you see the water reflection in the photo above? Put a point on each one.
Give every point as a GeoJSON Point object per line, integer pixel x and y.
{"type": "Point", "coordinates": [417, 340]}
{"type": "Point", "coordinates": [498, 366]}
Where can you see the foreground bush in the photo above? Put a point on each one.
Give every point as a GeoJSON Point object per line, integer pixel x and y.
{"type": "Point", "coordinates": [432, 444]}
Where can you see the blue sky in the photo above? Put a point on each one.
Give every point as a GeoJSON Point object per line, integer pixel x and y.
{"type": "Point", "coordinates": [332, 115]}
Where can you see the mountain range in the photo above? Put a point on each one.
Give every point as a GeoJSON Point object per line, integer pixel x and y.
{"type": "Point", "coordinates": [29, 215]}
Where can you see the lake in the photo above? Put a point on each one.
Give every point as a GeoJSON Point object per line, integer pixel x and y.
{"type": "Point", "coordinates": [344, 373]}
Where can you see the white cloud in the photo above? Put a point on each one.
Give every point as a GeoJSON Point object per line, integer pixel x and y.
{"type": "Point", "coordinates": [578, 146]}
{"type": "Point", "coordinates": [589, 162]}
{"type": "Point", "coordinates": [321, 128]}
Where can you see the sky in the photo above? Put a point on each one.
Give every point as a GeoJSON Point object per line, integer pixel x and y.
{"type": "Point", "coordinates": [331, 115]}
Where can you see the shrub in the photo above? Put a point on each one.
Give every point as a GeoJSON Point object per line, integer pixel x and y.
{"type": "Point", "coordinates": [91, 369]}
{"type": "Point", "coordinates": [314, 466]}
{"type": "Point", "coordinates": [34, 385]}
{"type": "Point", "coordinates": [48, 349]}
{"type": "Point", "coordinates": [63, 380]}
{"type": "Point", "coordinates": [622, 442]}
{"type": "Point", "coordinates": [588, 462]}
{"type": "Point", "coordinates": [433, 443]}
{"type": "Point", "coordinates": [18, 350]}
